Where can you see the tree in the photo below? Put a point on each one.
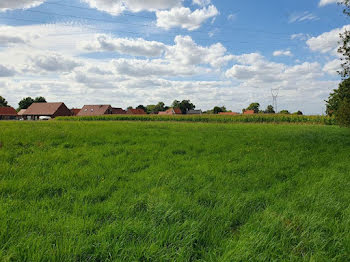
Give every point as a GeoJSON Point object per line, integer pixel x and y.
{"type": "Point", "coordinates": [343, 113]}
{"type": "Point", "coordinates": [284, 112]}
{"type": "Point", "coordinates": [218, 109]}
{"type": "Point", "coordinates": [40, 99]}
{"type": "Point", "coordinates": [269, 110]}
{"type": "Point", "coordinates": [25, 103]}
{"type": "Point", "coordinates": [3, 102]}
{"type": "Point", "coordinates": [337, 97]}
{"type": "Point", "coordinates": [184, 105]}
{"type": "Point", "coordinates": [253, 106]}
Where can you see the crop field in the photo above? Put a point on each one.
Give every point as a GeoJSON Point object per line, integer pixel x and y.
{"type": "Point", "coordinates": [173, 191]}
{"type": "Point", "coordinates": [257, 118]}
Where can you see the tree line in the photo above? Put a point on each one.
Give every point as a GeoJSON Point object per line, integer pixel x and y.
{"type": "Point", "coordinates": [24, 103]}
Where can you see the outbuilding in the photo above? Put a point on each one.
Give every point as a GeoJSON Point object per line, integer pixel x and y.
{"type": "Point", "coordinates": [46, 110]}
{"type": "Point", "coordinates": [8, 113]}
{"type": "Point", "coordinates": [96, 110]}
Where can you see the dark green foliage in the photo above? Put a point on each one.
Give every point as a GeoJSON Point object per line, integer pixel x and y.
{"type": "Point", "coordinates": [146, 191]}
{"type": "Point", "coordinates": [299, 113]}
{"type": "Point", "coordinates": [26, 102]}
{"type": "Point", "coordinates": [155, 109]}
{"type": "Point", "coordinates": [216, 110]}
{"type": "Point", "coordinates": [337, 97]}
{"type": "Point", "coordinates": [269, 110]}
{"type": "Point", "coordinates": [343, 113]}
{"type": "Point", "coordinates": [184, 105]}
{"type": "Point", "coordinates": [3, 102]}
{"type": "Point", "coordinates": [253, 106]}
{"type": "Point", "coordinates": [142, 107]}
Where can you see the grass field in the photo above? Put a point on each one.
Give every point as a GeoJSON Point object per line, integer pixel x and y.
{"type": "Point", "coordinates": [147, 191]}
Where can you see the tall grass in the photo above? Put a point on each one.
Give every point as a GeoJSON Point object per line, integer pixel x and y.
{"type": "Point", "coordinates": [150, 191]}
{"type": "Point", "coordinates": [258, 118]}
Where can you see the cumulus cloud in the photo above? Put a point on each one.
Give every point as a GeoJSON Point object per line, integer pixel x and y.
{"type": "Point", "coordinates": [332, 67]}
{"type": "Point", "coordinates": [327, 42]}
{"type": "Point", "coordinates": [116, 7]}
{"type": "Point", "coordinates": [19, 4]}
{"type": "Point", "coordinates": [53, 63]}
{"type": "Point", "coordinates": [327, 2]}
{"type": "Point", "coordinates": [282, 53]}
{"type": "Point", "coordinates": [201, 2]}
{"type": "Point", "coordinates": [135, 47]}
{"type": "Point", "coordinates": [183, 17]}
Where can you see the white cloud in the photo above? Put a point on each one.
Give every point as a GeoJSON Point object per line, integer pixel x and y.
{"type": "Point", "coordinates": [300, 36]}
{"type": "Point", "coordinates": [53, 63]}
{"type": "Point", "coordinates": [332, 67]}
{"type": "Point", "coordinates": [116, 7]}
{"type": "Point", "coordinates": [300, 17]}
{"type": "Point", "coordinates": [327, 2]}
{"type": "Point", "coordinates": [282, 53]}
{"type": "Point", "coordinates": [327, 42]}
{"type": "Point", "coordinates": [135, 47]}
{"type": "Point", "coordinates": [201, 2]}
{"type": "Point", "coordinates": [183, 17]}
{"type": "Point", "coordinates": [19, 4]}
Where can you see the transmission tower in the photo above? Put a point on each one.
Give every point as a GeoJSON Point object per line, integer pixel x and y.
{"type": "Point", "coordinates": [274, 93]}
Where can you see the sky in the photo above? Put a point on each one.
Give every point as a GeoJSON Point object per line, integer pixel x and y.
{"type": "Point", "coordinates": [130, 52]}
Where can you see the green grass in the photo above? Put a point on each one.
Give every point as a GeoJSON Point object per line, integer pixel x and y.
{"type": "Point", "coordinates": [258, 118]}
{"type": "Point", "coordinates": [147, 191]}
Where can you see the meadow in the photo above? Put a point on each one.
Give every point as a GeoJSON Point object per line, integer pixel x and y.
{"type": "Point", "coordinates": [166, 191]}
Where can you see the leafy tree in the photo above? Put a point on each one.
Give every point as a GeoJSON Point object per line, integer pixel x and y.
{"type": "Point", "coordinates": [218, 109]}
{"type": "Point", "coordinates": [129, 107]}
{"type": "Point", "coordinates": [269, 110]}
{"type": "Point", "coordinates": [337, 97]}
{"type": "Point", "coordinates": [25, 103]}
{"type": "Point", "coordinates": [284, 112]}
{"type": "Point", "coordinates": [3, 102]}
{"type": "Point", "coordinates": [155, 109]}
{"type": "Point", "coordinates": [253, 106]}
{"type": "Point", "coordinates": [184, 105]}
{"type": "Point", "coordinates": [343, 113]}
{"type": "Point", "coordinates": [40, 99]}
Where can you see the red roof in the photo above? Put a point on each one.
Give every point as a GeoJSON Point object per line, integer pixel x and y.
{"type": "Point", "coordinates": [95, 110]}
{"type": "Point", "coordinates": [136, 112]}
{"type": "Point", "coordinates": [75, 111]}
{"type": "Point", "coordinates": [8, 111]}
{"type": "Point", "coordinates": [43, 109]}
{"type": "Point", "coordinates": [118, 111]}
{"type": "Point", "coordinates": [177, 111]}
{"type": "Point", "coordinates": [249, 112]}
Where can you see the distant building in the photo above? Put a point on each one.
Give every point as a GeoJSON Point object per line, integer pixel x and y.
{"type": "Point", "coordinates": [51, 110]}
{"type": "Point", "coordinates": [21, 114]}
{"type": "Point", "coordinates": [194, 112]}
{"type": "Point", "coordinates": [118, 111]}
{"type": "Point", "coordinates": [75, 111]}
{"type": "Point", "coordinates": [96, 110]}
{"type": "Point", "coordinates": [8, 113]}
{"type": "Point", "coordinates": [229, 113]}
{"type": "Point", "coordinates": [249, 112]}
{"type": "Point", "coordinates": [171, 111]}
{"type": "Point", "coordinates": [136, 112]}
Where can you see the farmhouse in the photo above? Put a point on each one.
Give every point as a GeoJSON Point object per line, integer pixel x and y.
{"type": "Point", "coordinates": [135, 112]}
{"type": "Point", "coordinates": [52, 110]}
{"type": "Point", "coordinates": [8, 113]}
{"type": "Point", "coordinates": [249, 112]}
{"type": "Point", "coordinates": [171, 111]}
{"type": "Point", "coordinates": [118, 111]}
{"type": "Point", "coordinates": [95, 110]}
{"type": "Point", "coordinates": [194, 112]}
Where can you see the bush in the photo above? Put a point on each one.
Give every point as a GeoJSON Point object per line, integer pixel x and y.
{"type": "Point", "coordinates": [343, 113]}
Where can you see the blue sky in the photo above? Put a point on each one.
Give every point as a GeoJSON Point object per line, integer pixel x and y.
{"type": "Point", "coordinates": [135, 52]}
